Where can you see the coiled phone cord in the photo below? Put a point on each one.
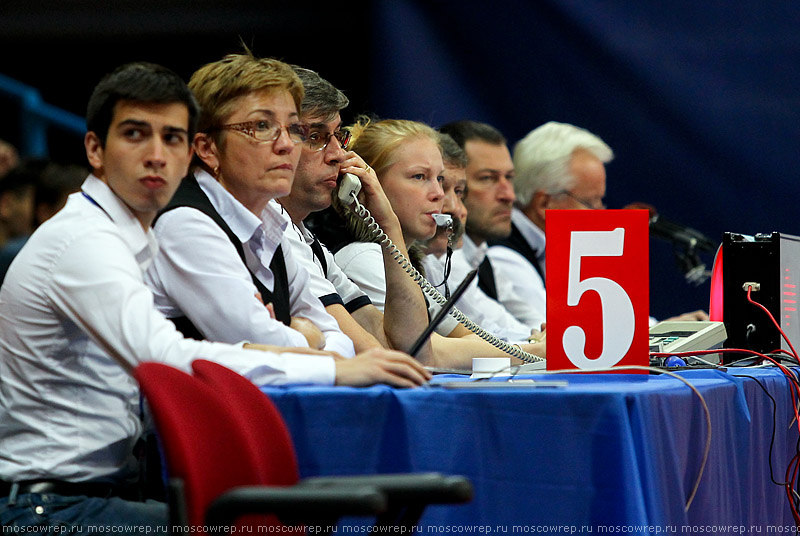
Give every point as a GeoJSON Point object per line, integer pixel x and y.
{"type": "Point", "coordinates": [385, 242]}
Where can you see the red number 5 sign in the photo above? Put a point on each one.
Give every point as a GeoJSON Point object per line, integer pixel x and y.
{"type": "Point", "coordinates": [597, 288]}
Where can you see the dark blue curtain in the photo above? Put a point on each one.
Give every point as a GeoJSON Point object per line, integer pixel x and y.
{"type": "Point", "coordinates": [699, 100]}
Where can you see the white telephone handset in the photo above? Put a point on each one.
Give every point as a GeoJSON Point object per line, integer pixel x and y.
{"type": "Point", "coordinates": [443, 220]}
{"type": "Point", "coordinates": [349, 188]}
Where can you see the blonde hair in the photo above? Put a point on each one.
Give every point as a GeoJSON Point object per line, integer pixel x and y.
{"type": "Point", "coordinates": [217, 85]}
{"type": "Point", "coordinates": [376, 142]}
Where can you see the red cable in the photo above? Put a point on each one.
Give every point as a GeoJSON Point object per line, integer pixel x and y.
{"type": "Point", "coordinates": [796, 460]}
{"type": "Point", "coordinates": [790, 488]}
{"type": "Point", "coordinates": [794, 389]}
{"type": "Point", "coordinates": [793, 353]}
{"type": "Point", "coordinates": [794, 465]}
{"type": "Point", "coordinates": [783, 334]}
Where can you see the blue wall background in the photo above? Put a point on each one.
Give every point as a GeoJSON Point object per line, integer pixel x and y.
{"type": "Point", "coordinates": [699, 100]}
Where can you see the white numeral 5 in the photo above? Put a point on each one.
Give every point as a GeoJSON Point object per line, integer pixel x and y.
{"type": "Point", "coordinates": [618, 318]}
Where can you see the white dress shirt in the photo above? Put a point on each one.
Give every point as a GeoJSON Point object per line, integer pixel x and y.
{"type": "Point", "coordinates": [199, 274]}
{"type": "Point", "coordinates": [75, 319]}
{"type": "Point", "coordinates": [517, 303]}
{"type": "Point", "coordinates": [363, 263]}
{"type": "Point", "coordinates": [480, 308]}
{"type": "Point", "coordinates": [324, 285]}
{"type": "Point", "coordinates": [519, 274]}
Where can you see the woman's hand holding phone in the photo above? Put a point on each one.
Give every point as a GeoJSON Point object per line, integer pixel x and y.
{"type": "Point", "coordinates": [372, 195]}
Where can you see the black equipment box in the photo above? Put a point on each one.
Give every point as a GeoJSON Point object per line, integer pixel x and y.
{"type": "Point", "coordinates": [773, 262]}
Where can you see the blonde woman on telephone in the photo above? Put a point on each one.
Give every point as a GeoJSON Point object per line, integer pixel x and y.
{"type": "Point", "coordinates": [407, 160]}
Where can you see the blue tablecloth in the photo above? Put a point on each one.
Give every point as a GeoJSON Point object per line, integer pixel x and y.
{"type": "Point", "coordinates": [618, 450]}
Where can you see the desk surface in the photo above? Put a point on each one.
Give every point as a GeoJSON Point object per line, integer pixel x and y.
{"type": "Point", "coordinates": [605, 450]}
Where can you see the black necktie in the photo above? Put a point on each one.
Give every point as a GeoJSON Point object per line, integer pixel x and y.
{"type": "Point", "coordinates": [486, 279]}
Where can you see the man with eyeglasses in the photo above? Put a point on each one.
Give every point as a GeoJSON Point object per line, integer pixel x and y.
{"type": "Point", "coordinates": [322, 158]}
{"type": "Point", "coordinates": [558, 166]}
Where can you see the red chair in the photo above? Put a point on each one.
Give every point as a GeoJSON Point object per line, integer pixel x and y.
{"type": "Point", "coordinates": [407, 494]}
{"type": "Point", "coordinates": [216, 477]}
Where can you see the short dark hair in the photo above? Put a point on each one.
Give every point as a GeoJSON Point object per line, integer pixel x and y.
{"type": "Point", "coordinates": [322, 98]}
{"type": "Point", "coordinates": [452, 154]}
{"type": "Point", "coordinates": [466, 130]}
{"type": "Point", "coordinates": [139, 82]}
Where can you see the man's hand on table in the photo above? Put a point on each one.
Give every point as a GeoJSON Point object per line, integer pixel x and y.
{"type": "Point", "coordinates": [381, 366]}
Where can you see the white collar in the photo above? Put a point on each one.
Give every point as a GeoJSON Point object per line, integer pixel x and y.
{"type": "Point", "coordinates": [531, 232]}
{"type": "Point", "coordinates": [142, 243]}
{"type": "Point", "coordinates": [433, 260]}
{"type": "Point", "coordinates": [473, 253]}
{"type": "Point", "coordinates": [299, 228]}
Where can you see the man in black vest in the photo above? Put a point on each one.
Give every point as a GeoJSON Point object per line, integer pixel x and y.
{"type": "Point", "coordinates": [489, 201]}
{"type": "Point", "coordinates": [558, 167]}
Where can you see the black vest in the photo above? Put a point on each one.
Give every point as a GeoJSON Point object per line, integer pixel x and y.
{"type": "Point", "coordinates": [518, 243]}
{"type": "Point", "coordinates": [189, 194]}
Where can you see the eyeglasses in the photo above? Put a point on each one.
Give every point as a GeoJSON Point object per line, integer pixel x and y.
{"type": "Point", "coordinates": [268, 131]}
{"type": "Point", "coordinates": [318, 140]}
{"type": "Point", "coordinates": [593, 205]}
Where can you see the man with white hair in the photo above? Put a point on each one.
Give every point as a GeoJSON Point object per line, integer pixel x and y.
{"type": "Point", "coordinates": [558, 166]}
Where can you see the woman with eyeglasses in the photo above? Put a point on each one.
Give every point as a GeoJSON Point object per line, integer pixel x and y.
{"type": "Point", "coordinates": [224, 271]}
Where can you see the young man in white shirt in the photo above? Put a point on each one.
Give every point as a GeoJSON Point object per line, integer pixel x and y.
{"type": "Point", "coordinates": [76, 318]}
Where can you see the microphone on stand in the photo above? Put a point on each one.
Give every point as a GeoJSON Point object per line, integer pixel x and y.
{"type": "Point", "coordinates": [674, 232]}
{"type": "Point", "coordinates": [689, 240]}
